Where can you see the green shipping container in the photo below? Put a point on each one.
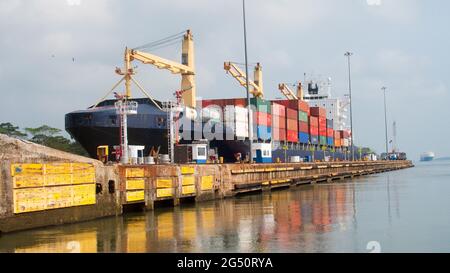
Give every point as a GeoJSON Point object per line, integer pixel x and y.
{"type": "Point", "coordinates": [261, 105]}
{"type": "Point", "coordinates": [323, 140]}
{"type": "Point", "coordinates": [302, 116]}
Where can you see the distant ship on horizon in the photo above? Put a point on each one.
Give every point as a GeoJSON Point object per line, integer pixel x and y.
{"type": "Point", "coordinates": [426, 157]}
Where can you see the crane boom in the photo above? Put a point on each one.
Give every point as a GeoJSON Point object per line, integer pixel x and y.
{"type": "Point", "coordinates": [240, 76]}
{"type": "Point", "coordinates": [289, 94]}
{"type": "Point", "coordinates": [159, 62]}
{"type": "Point", "coordinates": [186, 68]}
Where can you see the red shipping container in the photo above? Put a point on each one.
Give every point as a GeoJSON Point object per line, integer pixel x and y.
{"type": "Point", "coordinates": [291, 114]}
{"type": "Point", "coordinates": [278, 110]}
{"type": "Point", "coordinates": [292, 125]}
{"type": "Point", "coordinates": [279, 135]}
{"type": "Point", "coordinates": [240, 102]}
{"type": "Point", "coordinates": [313, 121]}
{"type": "Point", "coordinates": [337, 135]}
{"type": "Point", "coordinates": [278, 122]}
{"type": "Point", "coordinates": [322, 122]}
{"type": "Point", "coordinates": [263, 119]}
{"type": "Point", "coordinates": [330, 132]}
{"type": "Point", "coordinates": [314, 131]}
{"type": "Point", "coordinates": [322, 131]}
{"type": "Point", "coordinates": [292, 136]}
{"type": "Point", "coordinates": [303, 127]}
{"type": "Point", "coordinates": [318, 112]}
{"type": "Point", "coordinates": [347, 134]}
{"type": "Point", "coordinates": [293, 104]}
{"type": "Point", "coordinates": [304, 106]}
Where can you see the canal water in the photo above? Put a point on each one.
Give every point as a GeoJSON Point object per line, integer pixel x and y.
{"type": "Point", "coordinates": [403, 211]}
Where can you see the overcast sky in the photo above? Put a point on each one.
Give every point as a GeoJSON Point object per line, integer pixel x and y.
{"type": "Point", "coordinates": [401, 44]}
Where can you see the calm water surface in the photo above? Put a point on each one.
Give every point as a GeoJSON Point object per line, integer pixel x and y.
{"type": "Point", "coordinates": [404, 211]}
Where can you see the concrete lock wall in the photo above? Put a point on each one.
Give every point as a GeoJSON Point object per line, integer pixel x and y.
{"type": "Point", "coordinates": [40, 186]}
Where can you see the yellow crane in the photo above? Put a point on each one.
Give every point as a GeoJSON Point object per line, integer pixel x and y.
{"type": "Point", "coordinates": [257, 84]}
{"type": "Point", "coordinates": [289, 94]}
{"type": "Point", "coordinates": [186, 69]}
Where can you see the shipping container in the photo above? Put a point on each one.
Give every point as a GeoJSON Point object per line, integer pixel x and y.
{"type": "Point", "coordinates": [346, 143]}
{"type": "Point", "coordinates": [330, 133]}
{"type": "Point", "coordinates": [278, 122]}
{"type": "Point", "coordinates": [262, 118]}
{"type": "Point", "coordinates": [323, 131]}
{"type": "Point", "coordinates": [295, 104]}
{"type": "Point", "coordinates": [314, 139]}
{"type": "Point", "coordinates": [292, 136]}
{"type": "Point", "coordinates": [291, 114]}
{"type": "Point", "coordinates": [241, 129]}
{"type": "Point", "coordinates": [347, 134]}
{"type": "Point", "coordinates": [337, 143]}
{"type": "Point", "coordinates": [313, 121]}
{"type": "Point", "coordinates": [261, 105]}
{"type": "Point", "coordinates": [303, 137]}
{"type": "Point", "coordinates": [330, 141]}
{"type": "Point", "coordinates": [322, 122]}
{"type": "Point", "coordinates": [303, 116]}
{"type": "Point", "coordinates": [240, 102]}
{"type": "Point", "coordinates": [313, 131]}
{"type": "Point", "coordinates": [279, 135]}
{"type": "Point", "coordinates": [263, 132]}
{"type": "Point", "coordinates": [278, 110]}
{"type": "Point", "coordinates": [304, 106]}
{"type": "Point", "coordinates": [303, 127]}
{"type": "Point", "coordinates": [323, 140]}
{"type": "Point", "coordinates": [337, 135]}
{"type": "Point", "coordinates": [330, 123]}
{"type": "Point", "coordinates": [292, 125]}
{"type": "Point", "coordinates": [318, 112]}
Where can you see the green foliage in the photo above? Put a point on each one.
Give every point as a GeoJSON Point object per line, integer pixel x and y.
{"type": "Point", "coordinates": [11, 130]}
{"type": "Point", "coordinates": [44, 130]}
{"type": "Point", "coordinates": [44, 135]}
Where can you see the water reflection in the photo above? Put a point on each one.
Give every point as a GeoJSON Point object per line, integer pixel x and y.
{"type": "Point", "coordinates": [288, 220]}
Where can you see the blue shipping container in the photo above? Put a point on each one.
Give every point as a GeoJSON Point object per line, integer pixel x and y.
{"type": "Point", "coordinates": [303, 137]}
{"type": "Point", "coordinates": [264, 132]}
{"type": "Point", "coordinates": [330, 141]}
{"type": "Point", "coordinates": [314, 140]}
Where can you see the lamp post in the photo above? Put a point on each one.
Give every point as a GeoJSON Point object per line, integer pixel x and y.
{"type": "Point", "coordinates": [348, 55]}
{"type": "Point", "coordinates": [250, 125]}
{"type": "Point", "coordinates": [385, 121]}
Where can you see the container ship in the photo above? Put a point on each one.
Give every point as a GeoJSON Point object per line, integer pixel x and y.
{"type": "Point", "coordinates": [428, 156]}
{"type": "Point", "coordinates": [306, 125]}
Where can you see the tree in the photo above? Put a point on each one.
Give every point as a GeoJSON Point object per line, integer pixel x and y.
{"type": "Point", "coordinates": [11, 130]}
{"type": "Point", "coordinates": [49, 136]}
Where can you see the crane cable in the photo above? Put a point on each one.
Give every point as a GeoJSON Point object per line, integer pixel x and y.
{"type": "Point", "coordinates": [161, 41]}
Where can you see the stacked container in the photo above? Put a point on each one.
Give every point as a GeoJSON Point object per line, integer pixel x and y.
{"type": "Point", "coordinates": [314, 129]}
{"type": "Point", "coordinates": [303, 122]}
{"type": "Point", "coordinates": [262, 119]}
{"type": "Point", "coordinates": [291, 125]}
{"type": "Point", "coordinates": [236, 119]}
{"type": "Point", "coordinates": [321, 115]}
{"type": "Point", "coordinates": [330, 133]}
{"type": "Point", "coordinates": [337, 139]}
{"type": "Point", "coordinates": [278, 122]}
{"type": "Point", "coordinates": [346, 138]}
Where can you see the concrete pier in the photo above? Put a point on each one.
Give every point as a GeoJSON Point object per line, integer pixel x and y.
{"type": "Point", "coordinates": [40, 186]}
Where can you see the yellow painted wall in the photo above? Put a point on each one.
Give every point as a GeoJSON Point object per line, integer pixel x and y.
{"type": "Point", "coordinates": [40, 187]}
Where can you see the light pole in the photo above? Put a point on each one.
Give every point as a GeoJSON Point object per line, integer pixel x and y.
{"type": "Point", "coordinates": [250, 125]}
{"type": "Point", "coordinates": [385, 121]}
{"type": "Point", "coordinates": [348, 55]}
